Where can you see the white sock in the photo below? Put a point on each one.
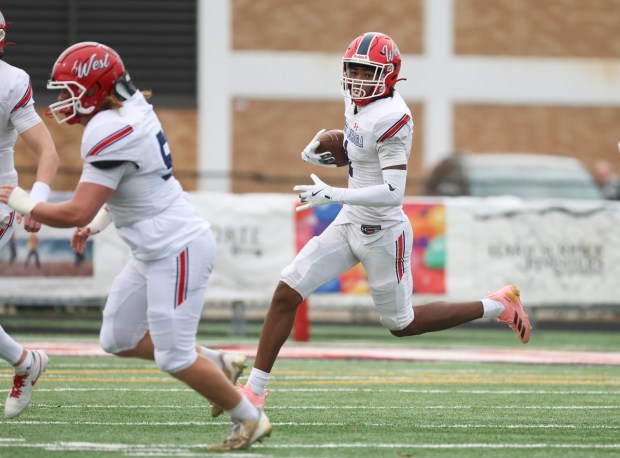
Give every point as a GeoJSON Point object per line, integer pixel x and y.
{"type": "Point", "coordinates": [492, 308]}
{"type": "Point", "coordinates": [243, 411]}
{"type": "Point", "coordinates": [258, 381]}
{"type": "Point", "coordinates": [213, 355]}
{"type": "Point", "coordinates": [10, 350]}
{"type": "Point", "coordinates": [26, 365]}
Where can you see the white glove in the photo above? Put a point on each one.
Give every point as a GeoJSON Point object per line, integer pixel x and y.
{"type": "Point", "coordinates": [317, 194]}
{"type": "Point", "coordinates": [310, 155]}
{"type": "Point", "coordinates": [101, 220]}
{"type": "Point", "coordinates": [20, 201]}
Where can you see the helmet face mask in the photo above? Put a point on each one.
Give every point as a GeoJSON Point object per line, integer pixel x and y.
{"type": "Point", "coordinates": [3, 26]}
{"type": "Point", "coordinates": [374, 53]}
{"type": "Point", "coordinates": [86, 73]}
{"type": "Point", "coordinates": [67, 109]}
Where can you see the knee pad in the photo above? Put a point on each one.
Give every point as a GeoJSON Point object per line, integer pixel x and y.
{"type": "Point", "coordinates": [115, 343]}
{"type": "Point", "coordinates": [174, 360]}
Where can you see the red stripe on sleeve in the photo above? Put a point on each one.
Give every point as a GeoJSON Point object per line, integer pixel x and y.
{"type": "Point", "coordinates": [116, 136]}
{"type": "Point", "coordinates": [395, 128]}
{"type": "Point", "coordinates": [25, 99]}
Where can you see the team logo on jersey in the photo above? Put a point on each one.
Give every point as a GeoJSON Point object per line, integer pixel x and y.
{"type": "Point", "coordinates": [354, 137]}
{"type": "Point", "coordinates": [83, 68]}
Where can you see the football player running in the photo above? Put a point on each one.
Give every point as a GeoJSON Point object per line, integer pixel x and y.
{"type": "Point", "coordinates": [155, 303]}
{"type": "Point", "coordinates": [372, 227]}
{"type": "Point", "coordinates": [18, 117]}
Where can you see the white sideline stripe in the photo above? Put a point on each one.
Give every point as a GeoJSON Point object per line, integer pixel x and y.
{"type": "Point", "coordinates": [171, 448]}
{"type": "Point", "coordinates": [341, 390]}
{"type": "Point", "coordinates": [306, 424]}
{"type": "Point", "coordinates": [295, 407]}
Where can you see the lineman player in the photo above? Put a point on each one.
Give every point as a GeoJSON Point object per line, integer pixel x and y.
{"type": "Point", "coordinates": [372, 227]}
{"type": "Point", "coordinates": [155, 303]}
{"type": "Point", "coordinates": [17, 116]}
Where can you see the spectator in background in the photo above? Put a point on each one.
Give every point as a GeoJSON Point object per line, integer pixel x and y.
{"type": "Point", "coordinates": [18, 117]}
{"type": "Point", "coordinates": [33, 251]}
{"type": "Point", "coordinates": [156, 301]}
{"type": "Point", "coordinates": [607, 179]}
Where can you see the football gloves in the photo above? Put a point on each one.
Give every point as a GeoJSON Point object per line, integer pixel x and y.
{"type": "Point", "coordinates": [310, 155]}
{"type": "Point", "coordinates": [313, 195]}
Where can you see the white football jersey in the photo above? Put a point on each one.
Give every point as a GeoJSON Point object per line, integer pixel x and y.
{"type": "Point", "coordinates": [149, 208]}
{"type": "Point", "coordinates": [15, 93]}
{"type": "Point", "coordinates": [377, 135]}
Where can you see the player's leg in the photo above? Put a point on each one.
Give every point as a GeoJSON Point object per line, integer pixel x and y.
{"type": "Point", "coordinates": [175, 293]}
{"type": "Point", "coordinates": [388, 263]}
{"type": "Point", "coordinates": [29, 366]}
{"type": "Point", "coordinates": [125, 330]}
{"type": "Point", "coordinates": [323, 258]}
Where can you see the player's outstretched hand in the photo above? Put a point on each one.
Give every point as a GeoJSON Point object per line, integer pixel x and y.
{"type": "Point", "coordinates": [79, 238]}
{"type": "Point", "coordinates": [310, 155]}
{"type": "Point", "coordinates": [313, 195]}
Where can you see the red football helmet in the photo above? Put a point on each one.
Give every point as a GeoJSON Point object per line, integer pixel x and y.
{"type": "Point", "coordinates": [3, 26]}
{"type": "Point", "coordinates": [378, 52]}
{"type": "Point", "coordinates": [86, 73]}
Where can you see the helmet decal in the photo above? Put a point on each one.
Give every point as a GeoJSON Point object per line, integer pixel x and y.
{"type": "Point", "coordinates": [82, 69]}
{"type": "Point", "coordinates": [364, 46]}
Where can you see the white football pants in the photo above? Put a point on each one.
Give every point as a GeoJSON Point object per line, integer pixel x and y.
{"type": "Point", "coordinates": [386, 256]}
{"type": "Point", "coordinates": [165, 297]}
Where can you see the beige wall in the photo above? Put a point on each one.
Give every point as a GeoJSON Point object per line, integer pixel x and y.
{"type": "Point", "coordinates": [586, 132]}
{"type": "Point", "coordinates": [268, 134]}
{"type": "Point", "coordinates": [324, 25]}
{"type": "Point", "coordinates": [551, 28]}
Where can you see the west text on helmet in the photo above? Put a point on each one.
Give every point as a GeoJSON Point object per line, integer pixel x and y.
{"type": "Point", "coordinates": [82, 69]}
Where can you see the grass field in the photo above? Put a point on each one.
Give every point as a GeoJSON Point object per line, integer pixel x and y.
{"type": "Point", "coordinates": [109, 407]}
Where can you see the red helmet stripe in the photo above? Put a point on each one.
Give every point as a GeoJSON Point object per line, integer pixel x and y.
{"type": "Point", "coordinates": [25, 99]}
{"type": "Point", "coordinates": [395, 128]}
{"type": "Point", "coordinates": [110, 139]}
{"type": "Point", "coordinates": [364, 45]}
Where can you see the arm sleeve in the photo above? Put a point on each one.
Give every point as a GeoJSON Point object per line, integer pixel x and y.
{"type": "Point", "coordinates": [25, 118]}
{"type": "Point", "coordinates": [388, 194]}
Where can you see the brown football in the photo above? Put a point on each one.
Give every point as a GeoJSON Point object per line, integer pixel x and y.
{"type": "Point", "coordinates": [332, 141]}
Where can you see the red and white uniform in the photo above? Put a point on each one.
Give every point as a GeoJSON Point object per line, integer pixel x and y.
{"type": "Point", "coordinates": [377, 135]}
{"type": "Point", "coordinates": [162, 287]}
{"type": "Point", "coordinates": [17, 115]}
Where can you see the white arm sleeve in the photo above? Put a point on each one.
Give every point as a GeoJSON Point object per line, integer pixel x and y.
{"type": "Point", "coordinates": [110, 178]}
{"type": "Point", "coordinates": [25, 118]}
{"type": "Point", "coordinates": [388, 194]}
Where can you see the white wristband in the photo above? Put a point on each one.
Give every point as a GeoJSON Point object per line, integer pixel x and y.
{"type": "Point", "coordinates": [40, 192]}
{"type": "Point", "coordinates": [101, 220]}
{"type": "Point", "coordinates": [20, 201]}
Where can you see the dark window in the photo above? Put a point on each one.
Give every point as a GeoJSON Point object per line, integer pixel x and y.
{"type": "Point", "coordinates": [156, 39]}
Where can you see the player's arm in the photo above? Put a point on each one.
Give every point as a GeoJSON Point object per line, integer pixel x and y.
{"type": "Point", "coordinates": [39, 141]}
{"type": "Point", "coordinates": [390, 193]}
{"type": "Point", "coordinates": [80, 210]}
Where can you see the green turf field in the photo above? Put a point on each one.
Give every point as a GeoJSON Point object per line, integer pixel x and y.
{"type": "Point", "coordinates": [112, 407]}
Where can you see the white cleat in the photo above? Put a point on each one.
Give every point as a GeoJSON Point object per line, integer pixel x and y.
{"type": "Point", "coordinates": [18, 399]}
{"type": "Point", "coordinates": [233, 365]}
{"type": "Point", "coordinates": [245, 433]}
